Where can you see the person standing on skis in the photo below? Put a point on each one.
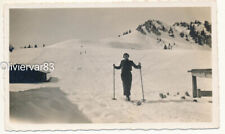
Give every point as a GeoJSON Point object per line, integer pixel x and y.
{"type": "Point", "coordinates": [126, 75]}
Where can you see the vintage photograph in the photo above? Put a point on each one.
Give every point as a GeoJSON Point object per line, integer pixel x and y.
{"type": "Point", "coordinates": [111, 65]}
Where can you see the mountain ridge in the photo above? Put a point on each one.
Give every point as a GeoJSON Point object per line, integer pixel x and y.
{"type": "Point", "coordinates": [195, 32]}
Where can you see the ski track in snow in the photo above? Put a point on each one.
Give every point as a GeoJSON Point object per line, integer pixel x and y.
{"type": "Point", "coordinates": [86, 80]}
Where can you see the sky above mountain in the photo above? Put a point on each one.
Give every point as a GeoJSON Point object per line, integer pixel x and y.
{"type": "Point", "coordinates": [38, 26]}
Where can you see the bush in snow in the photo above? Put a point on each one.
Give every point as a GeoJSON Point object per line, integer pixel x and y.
{"type": "Point", "coordinates": [161, 95]}
{"type": "Point", "coordinates": [195, 100]}
{"type": "Point", "coordinates": [125, 33]}
{"type": "Point", "coordinates": [187, 94]}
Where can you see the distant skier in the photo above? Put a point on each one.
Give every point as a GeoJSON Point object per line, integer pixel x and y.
{"type": "Point", "coordinates": [126, 76]}
{"type": "Point", "coordinates": [169, 47]}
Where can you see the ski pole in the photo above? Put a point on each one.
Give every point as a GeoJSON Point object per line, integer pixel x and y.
{"type": "Point", "coordinates": [142, 84]}
{"type": "Point", "coordinates": [114, 98]}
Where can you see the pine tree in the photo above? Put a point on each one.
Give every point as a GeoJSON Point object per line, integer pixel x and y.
{"type": "Point", "coordinates": [163, 29]}
{"type": "Point", "coordinates": [192, 31]}
{"type": "Point", "coordinates": [181, 34]}
{"type": "Point", "coordinates": [165, 47]}
{"type": "Point", "coordinates": [140, 29]}
{"type": "Point", "coordinates": [208, 40]}
{"type": "Point", "coordinates": [203, 33]}
{"type": "Point", "coordinates": [207, 26]}
{"type": "Point", "coordinates": [171, 32]}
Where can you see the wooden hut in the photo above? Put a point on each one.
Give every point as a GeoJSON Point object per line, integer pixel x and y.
{"type": "Point", "coordinates": [202, 73]}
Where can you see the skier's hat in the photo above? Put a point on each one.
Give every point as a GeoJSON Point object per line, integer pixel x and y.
{"type": "Point", "coordinates": [125, 54]}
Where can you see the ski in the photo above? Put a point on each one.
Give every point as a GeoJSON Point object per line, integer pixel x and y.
{"type": "Point", "coordinates": [137, 102]}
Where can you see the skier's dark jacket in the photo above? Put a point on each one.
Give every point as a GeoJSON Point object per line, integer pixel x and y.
{"type": "Point", "coordinates": [126, 66]}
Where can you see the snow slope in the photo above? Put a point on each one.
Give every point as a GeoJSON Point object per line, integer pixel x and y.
{"type": "Point", "coordinates": [86, 79]}
{"type": "Point", "coordinates": [136, 40]}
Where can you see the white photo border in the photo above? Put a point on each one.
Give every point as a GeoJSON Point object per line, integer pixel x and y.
{"type": "Point", "coordinates": [215, 122]}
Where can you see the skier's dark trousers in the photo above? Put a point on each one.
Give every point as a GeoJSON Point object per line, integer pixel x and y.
{"type": "Point", "coordinates": [126, 75]}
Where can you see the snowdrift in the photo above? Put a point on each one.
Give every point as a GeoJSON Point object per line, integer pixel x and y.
{"type": "Point", "coordinates": [44, 105]}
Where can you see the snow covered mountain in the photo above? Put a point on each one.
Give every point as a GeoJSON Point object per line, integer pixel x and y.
{"type": "Point", "coordinates": [157, 34]}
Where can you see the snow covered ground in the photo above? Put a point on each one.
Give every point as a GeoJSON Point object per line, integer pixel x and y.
{"type": "Point", "coordinates": [87, 81]}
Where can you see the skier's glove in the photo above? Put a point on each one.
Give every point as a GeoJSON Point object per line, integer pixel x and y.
{"type": "Point", "coordinates": [114, 65]}
{"type": "Point", "coordinates": [139, 65]}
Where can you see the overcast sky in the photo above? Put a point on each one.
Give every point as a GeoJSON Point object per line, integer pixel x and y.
{"type": "Point", "coordinates": [38, 26]}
